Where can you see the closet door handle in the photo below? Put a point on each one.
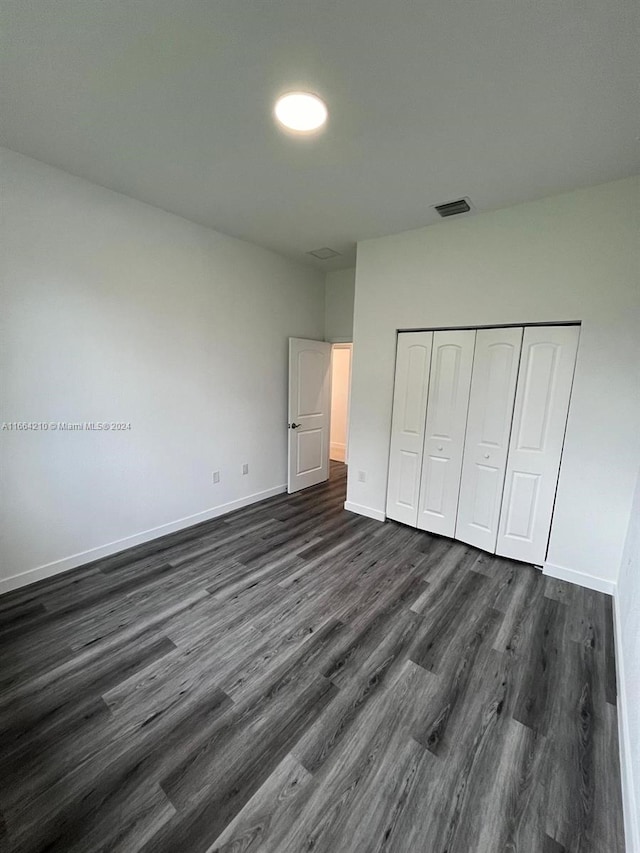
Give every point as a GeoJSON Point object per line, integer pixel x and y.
{"type": "Point", "coordinates": [440, 448]}
{"type": "Point", "coordinates": [486, 455]}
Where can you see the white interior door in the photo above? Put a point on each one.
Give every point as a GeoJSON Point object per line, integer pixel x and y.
{"type": "Point", "coordinates": [448, 401]}
{"type": "Point", "coordinates": [413, 359]}
{"type": "Point", "coordinates": [545, 378]}
{"type": "Point", "coordinates": [493, 388]}
{"type": "Point", "coordinates": [309, 412]}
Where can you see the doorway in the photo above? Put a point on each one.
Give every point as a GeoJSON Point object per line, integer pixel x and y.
{"type": "Point", "coordinates": [340, 397]}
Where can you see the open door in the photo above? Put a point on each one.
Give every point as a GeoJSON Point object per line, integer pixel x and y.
{"type": "Point", "coordinates": [309, 412]}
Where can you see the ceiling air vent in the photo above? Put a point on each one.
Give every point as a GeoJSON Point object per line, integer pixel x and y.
{"type": "Point", "coordinates": [453, 208]}
{"type": "Point", "coordinates": [324, 254]}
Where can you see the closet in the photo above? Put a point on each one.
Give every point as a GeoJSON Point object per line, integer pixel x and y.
{"type": "Point", "coordinates": [477, 430]}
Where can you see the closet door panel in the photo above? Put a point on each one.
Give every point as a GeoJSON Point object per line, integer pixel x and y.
{"type": "Point", "coordinates": [433, 499]}
{"type": "Point", "coordinates": [493, 388]}
{"type": "Point", "coordinates": [413, 361]}
{"type": "Point", "coordinates": [448, 400]}
{"type": "Point", "coordinates": [540, 416]}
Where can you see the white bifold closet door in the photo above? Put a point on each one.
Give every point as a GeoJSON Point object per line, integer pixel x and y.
{"type": "Point", "coordinates": [413, 360]}
{"type": "Point", "coordinates": [447, 404]}
{"type": "Point", "coordinates": [493, 388]}
{"type": "Point", "coordinates": [544, 385]}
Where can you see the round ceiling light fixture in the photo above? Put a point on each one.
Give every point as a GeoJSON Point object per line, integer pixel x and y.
{"type": "Point", "coordinates": [301, 112]}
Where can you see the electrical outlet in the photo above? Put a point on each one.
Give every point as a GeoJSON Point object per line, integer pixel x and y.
{"type": "Point", "coordinates": [215, 477]}
{"type": "Point", "coordinates": [245, 468]}
{"type": "Point", "coordinates": [362, 476]}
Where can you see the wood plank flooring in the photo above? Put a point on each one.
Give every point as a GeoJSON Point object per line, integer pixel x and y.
{"type": "Point", "coordinates": [293, 677]}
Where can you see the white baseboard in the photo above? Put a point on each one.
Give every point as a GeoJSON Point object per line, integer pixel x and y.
{"type": "Point", "coordinates": [630, 803]}
{"type": "Point", "coordinates": [579, 578]}
{"type": "Point", "coordinates": [376, 514]}
{"type": "Point", "coordinates": [337, 451]}
{"type": "Point", "coordinates": [75, 560]}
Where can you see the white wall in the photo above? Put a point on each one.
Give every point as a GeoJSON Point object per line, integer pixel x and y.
{"type": "Point", "coordinates": [340, 381]}
{"type": "Point", "coordinates": [571, 257]}
{"type": "Point", "coordinates": [339, 294]}
{"type": "Point", "coordinates": [117, 311]}
{"type": "Point", "coordinates": [628, 661]}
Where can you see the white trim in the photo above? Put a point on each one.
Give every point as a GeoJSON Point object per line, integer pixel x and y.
{"type": "Point", "coordinates": [376, 514]}
{"type": "Point", "coordinates": [579, 578]}
{"type": "Point", "coordinates": [338, 451]}
{"type": "Point", "coordinates": [75, 560]}
{"type": "Point", "coordinates": [629, 807]}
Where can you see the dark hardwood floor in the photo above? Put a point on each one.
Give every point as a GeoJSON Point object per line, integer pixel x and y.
{"type": "Point", "coordinates": [293, 677]}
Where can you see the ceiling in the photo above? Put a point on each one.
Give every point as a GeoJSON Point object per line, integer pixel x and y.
{"type": "Point", "coordinates": [169, 101]}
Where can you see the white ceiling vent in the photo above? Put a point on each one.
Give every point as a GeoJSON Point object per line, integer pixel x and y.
{"type": "Point", "coordinates": [454, 208]}
{"type": "Point", "coordinates": [324, 254]}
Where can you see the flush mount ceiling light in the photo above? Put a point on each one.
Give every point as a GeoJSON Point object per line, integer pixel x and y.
{"type": "Point", "coordinates": [301, 112]}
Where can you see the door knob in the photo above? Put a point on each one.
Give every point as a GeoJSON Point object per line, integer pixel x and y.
{"type": "Point", "coordinates": [295, 426]}
{"type": "Point", "coordinates": [440, 448]}
{"type": "Point", "coordinates": [486, 455]}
